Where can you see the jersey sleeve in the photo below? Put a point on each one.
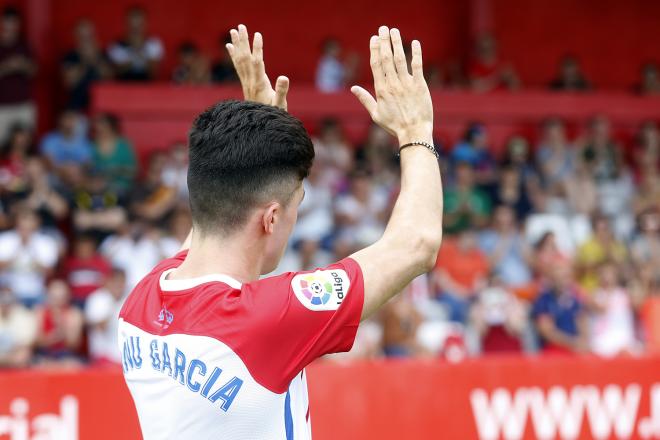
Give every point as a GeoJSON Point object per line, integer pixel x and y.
{"type": "Point", "coordinates": [300, 316]}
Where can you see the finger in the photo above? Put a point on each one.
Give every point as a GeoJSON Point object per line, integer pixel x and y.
{"type": "Point", "coordinates": [376, 67]}
{"type": "Point", "coordinates": [385, 46]}
{"type": "Point", "coordinates": [258, 46]}
{"type": "Point", "coordinates": [281, 89]}
{"type": "Point", "coordinates": [417, 66]}
{"type": "Point", "coordinates": [234, 37]}
{"type": "Point", "coordinates": [399, 55]}
{"type": "Point", "coordinates": [365, 99]}
{"type": "Point", "coordinates": [243, 39]}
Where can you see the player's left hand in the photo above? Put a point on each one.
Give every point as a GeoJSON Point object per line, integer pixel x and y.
{"type": "Point", "coordinates": [249, 64]}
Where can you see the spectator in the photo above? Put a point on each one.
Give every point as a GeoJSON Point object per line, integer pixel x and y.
{"type": "Point", "coordinates": [178, 231]}
{"type": "Point", "coordinates": [486, 71]}
{"type": "Point", "coordinates": [460, 272]}
{"type": "Point", "coordinates": [612, 322]}
{"type": "Point", "coordinates": [13, 156]}
{"type": "Point", "coordinates": [68, 145]}
{"type": "Point", "coordinates": [193, 66]}
{"type": "Point", "coordinates": [360, 214]}
{"type": "Point", "coordinates": [508, 252]}
{"type": "Point", "coordinates": [600, 247]}
{"type": "Point", "coordinates": [559, 314]}
{"type": "Point", "coordinates": [175, 171]}
{"type": "Point", "coordinates": [377, 155]}
{"type": "Point", "coordinates": [18, 332]}
{"type": "Point", "coordinates": [513, 191]}
{"type": "Point", "coordinates": [570, 77]}
{"type": "Point", "coordinates": [465, 205]}
{"type": "Point", "coordinates": [555, 161]}
{"type": "Point", "coordinates": [60, 327]}
{"type": "Point", "coordinates": [98, 210]}
{"type": "Point", "coordinates": [315, 223]}
{"type": "Point", "coordinates": [645, 247]}
{"type": "Point", "coordinates": [401, 322]}
{"type": "Point", "coordinates": [223, 69]}
{"type": "Point", "coordinates": [113, 157]}
{"type": "Point", "coordinates": [499, 320]}
{"type": "Point", "coordinates": [474, 149]}
{"type": "Point", "coordinates": [547, 255]}
{"type": "Point", "coordinates": [85, 270]}
{"type": "Point", "coordinates": [154, 200]}
{"type": "Point", "coordinates": [17, 68]}
{"type": "Point", "coordinates": [27, 256]}
{"type": "Point", "coordinates": [600, 154]}
{"type": "Point", "coordinates": [41, 195]}
{"type": "Point", "coordinates": [83, 65]}
{"type": "Point", "coordinates": [333, 154]}
{"type": "Point", "coordinates": [101, 316]}
{"type": "Point", "coordinates": [332, 75]}
{"type": "Point", "coordinates": [649, 84]}
{"type": "Point", "coordinates": [136, 57]}
{"type": "Point", "coordinates": [646, 152]}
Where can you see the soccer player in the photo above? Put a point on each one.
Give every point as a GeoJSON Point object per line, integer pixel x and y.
{"type": "Point", "coordinates": [210, 350]}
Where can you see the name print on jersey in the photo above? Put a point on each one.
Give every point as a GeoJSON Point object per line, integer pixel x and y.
{"type": "Point", "coordinates": [321, 290]}
{"type": "Point", "coordinates": [194, 374]}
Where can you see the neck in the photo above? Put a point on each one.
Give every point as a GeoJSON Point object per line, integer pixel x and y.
{"type": "Point", "coordinates": [239, 256]}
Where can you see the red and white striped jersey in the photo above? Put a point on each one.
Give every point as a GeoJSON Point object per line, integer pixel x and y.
{"type": "Point", "coordinates": [210, 358]}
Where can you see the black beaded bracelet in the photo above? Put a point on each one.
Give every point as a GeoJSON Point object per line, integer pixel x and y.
{"type": "Point", "coordinates": [423, 144]}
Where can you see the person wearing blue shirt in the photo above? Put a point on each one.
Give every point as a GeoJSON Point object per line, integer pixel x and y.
{"type": "Point", "coordinates": [69, 143]}
{"type": "Point", "coordinates": [559, 314]}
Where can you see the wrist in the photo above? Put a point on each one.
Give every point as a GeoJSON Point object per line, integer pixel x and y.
{"type": "Point", "coordinates": [416, 134]}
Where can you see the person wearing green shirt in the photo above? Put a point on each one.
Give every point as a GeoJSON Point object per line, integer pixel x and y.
{"type": "Point", "coordinates": [466, 206]}
{"type": "Point", "coordinates": [113, 156]}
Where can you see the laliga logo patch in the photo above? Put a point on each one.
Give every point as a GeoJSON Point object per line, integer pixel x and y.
{"type": "Point", "coordinates": [321, 290]}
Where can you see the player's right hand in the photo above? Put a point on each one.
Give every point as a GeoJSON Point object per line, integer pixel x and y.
{"type": "Point", "coordinates": [403, 102]}
{"type": "Point", "coordinates": [249, 65]}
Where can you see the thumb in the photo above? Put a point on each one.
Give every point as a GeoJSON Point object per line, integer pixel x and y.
{"type": "Point", "coordinates": [365, 98]}
{"type": "Point", "coordinates": [281, 89]}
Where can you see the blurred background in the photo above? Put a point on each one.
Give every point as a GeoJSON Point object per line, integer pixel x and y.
{"type": "Point", "coordinates": [547, 120]}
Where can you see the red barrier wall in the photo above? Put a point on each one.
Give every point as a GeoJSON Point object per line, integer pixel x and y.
{"type": "Point", "coordinates": [584, 397]}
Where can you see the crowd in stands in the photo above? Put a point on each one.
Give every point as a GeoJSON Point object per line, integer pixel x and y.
{"type": "Point", "coordinates": [552, 248]}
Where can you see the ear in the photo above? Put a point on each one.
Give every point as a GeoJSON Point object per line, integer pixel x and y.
{"type": "Point", "coordinates": [271, 216]}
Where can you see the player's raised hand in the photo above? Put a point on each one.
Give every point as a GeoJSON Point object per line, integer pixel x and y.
{"type": "Point", "coordinates": [402, 105]}
{"type": "Point", "coordinates": [249, 64]}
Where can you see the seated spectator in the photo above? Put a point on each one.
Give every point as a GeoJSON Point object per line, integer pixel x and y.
{"type": "Point", "coordinates": [223, 69]}
{"type": "Point", "coordinates": [460, 272]}
{"type": "Point", "coordinates": [600, 153]}
{"type": "Point", "coordinates": [600, 247]}
{"type": "Point", "coordinates": [377, 155]}
{"type": "Point", "coordinates": [315, 223]}
{"type": "Point", "coordinates": [612, 322]}
{"type": "Point", "coordinates": [13, 156]}
{"type": "Point", "coordinates": [474, 150]}
{"type": "Point", "coordinates": [649, 84]}
{"type": "Point", "coordinates": [175, 171]}
{"type": "Point", "coordinates": [333, 154]}
{"type": "Point", "coordinates": [27, 257]}
{"type": "Point", "coordinates": [646, 152]}
{"type": "Point", "coordinates": [360, 214]}
{"type": "Point", "coordinates": [101, 315]}
{"type": "Point", "coordinates": [499, 319]}
{"type": "Point", "coordinates": [154, 200]}
{"type": "Point", "coordinates": [465, 206]}
{"type": "Point", "coordinates": [135, 248]}
{"type": "Point", "coordinates": [507, 250]}
{"type": "Point", "coordinates": [570, 77]}
{"type": "Point", "coordinates": [179, 228]}
{"type": "Point", "coordinates": [113, 156]}
{"type": "Point", "coordinates": [554, 156]}
{"type": "Point", "coordinates": [512, 190]}
{"type": "Point", "coordinates": [83, 65]}
{"type": "Point", "coordinates": [559, 314]}
{"type": "Point", "coordinates": [69, 143]}
{"type": "Point", "coordinates": [18, 332]}
{"type": "Point", "coordinates": [486, 71]}
{"type": "Point", "coordinates": [400, 322]}
{"type": "Point", "coordinates": [98, 209]}
{"type": "Point", "coordinates": [85, 270]}
{"type": "Point", "coordinates": [193, 67]}
{"type": "Point", "coordinates": [332, 75]}
{"type": "Point", "coordinates": [645, 247]}
{"type": "Point", "coordinates": [137, 55]}
{"type": "Point", "coordinates": [17, 68]}
{"type": "Point", "coordinates": [547, 255]}
{"type": "Point", "coordinates": [60, 327]}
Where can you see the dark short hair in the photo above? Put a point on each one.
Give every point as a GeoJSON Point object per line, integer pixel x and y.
{"type": "Point", "coordinates": [11, 12]}
{"type": "Point", "coordinates": [242, 154]}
